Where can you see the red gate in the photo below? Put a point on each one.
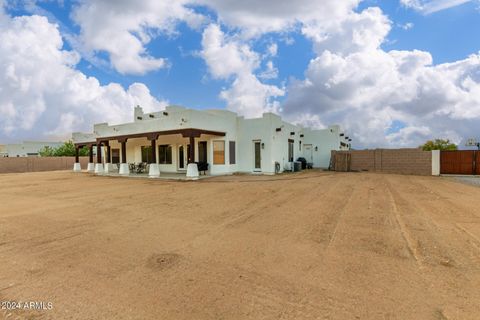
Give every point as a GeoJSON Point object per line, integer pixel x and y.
{"type": "Point", "coordinates": [477, 162]}
{"type": "Point", "coordinates": [460, 162]}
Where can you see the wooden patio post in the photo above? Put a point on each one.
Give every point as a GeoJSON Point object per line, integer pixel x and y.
{"type": "Point", "coordinates": [124, 151]}
{"type": "Point", "coordinates": [99, 152]}
{"type": "Point", "coordinates": [191, 156]}
{"type": "Point", "coordinates": [90, 154]}
{"type": "Point", "coordinates": [154, 151]}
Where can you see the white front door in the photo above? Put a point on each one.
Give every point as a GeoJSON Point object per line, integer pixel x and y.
{"type": "Point", "coordinates": [257, 155]}
{"type": "Point", "coordinates": [308, 152]}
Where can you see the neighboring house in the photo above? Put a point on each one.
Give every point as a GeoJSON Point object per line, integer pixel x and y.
{"type": "Point", "coordinates": [227, 142]}
{"type": "Point", "coordinates": [27, 148]}
{"type": "Point", "coordinates": [3, 150]}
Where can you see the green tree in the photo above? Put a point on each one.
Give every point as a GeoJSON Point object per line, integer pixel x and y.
{"type": "Point", "coordinates": [47, 151]}
{"type": "Point", "coordinates": [438, 144]}
{"type": "Point", "coordinates": [65, 150]}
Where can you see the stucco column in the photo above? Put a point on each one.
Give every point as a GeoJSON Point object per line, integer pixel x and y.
{"type": "Point", "coordinates": [124, 169]}
{"type": "Point", "coordinates": [153, 168]}
{"type": "Point", "coordinates": [77, 167]}
{"type": "Point", "coordinates": [192, 168]}
{"type": "Point", "coordinates": [109, 167]}
{"type": "Point", "coordinates": [99, 165]}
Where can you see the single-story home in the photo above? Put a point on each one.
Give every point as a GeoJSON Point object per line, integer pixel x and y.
{"type": "Point", "coordinates": [27, 148]}
{"type": "Point", "coordinates": [172, 139]}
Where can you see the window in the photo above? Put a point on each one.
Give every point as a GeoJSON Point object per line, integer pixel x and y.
{"type": "Point", "coordinates": [146, 154]}
{"type": "Point", "coordinates": [165, 154]}
{"type": "Point", "coordinates": [290, 150]}
{"type": "Point", "coordinates": [231, 151]}
{"type": "Point", "coordinates": [218, 152]}
{"type": "Point", "coordinates": [299, 145]}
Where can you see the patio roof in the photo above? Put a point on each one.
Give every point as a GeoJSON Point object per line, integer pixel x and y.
{"type": "Point", "coordinates": [186, 133]}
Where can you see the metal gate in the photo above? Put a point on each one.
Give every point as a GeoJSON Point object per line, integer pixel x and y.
{"type": "Point", "coordinates": [460, 162]}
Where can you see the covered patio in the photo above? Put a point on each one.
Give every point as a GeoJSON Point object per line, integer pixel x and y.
{"type": "Point", "coordinates": [173, 153]}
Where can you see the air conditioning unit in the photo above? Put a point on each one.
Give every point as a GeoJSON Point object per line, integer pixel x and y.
{"type": "Point", "coordinates": [288, 166]}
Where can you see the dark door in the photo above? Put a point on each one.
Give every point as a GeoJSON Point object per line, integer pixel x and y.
{"type": "Point", "coordinates": [458, 162]}
{"type": "Point", "coordinates": [257, 155]}
{"type": "Point", "coordinates": [115, 155]}
{"type": "Point", "coordinates": [181, 158]}
{"type": "Point", "coordinates": [202, 151]}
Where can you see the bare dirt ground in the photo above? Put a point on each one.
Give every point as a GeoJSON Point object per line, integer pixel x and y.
{"type": "Point", "coordinates": [304, 246]}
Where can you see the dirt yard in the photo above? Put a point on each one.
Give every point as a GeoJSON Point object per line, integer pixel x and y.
{"type": "Point", "coordinates": [304, 246]}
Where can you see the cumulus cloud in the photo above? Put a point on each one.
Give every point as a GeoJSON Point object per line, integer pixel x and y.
{"type": "Point", "coordinates": [367, 89]}
{"type": "Point", "coordinates": [42, 95]}
{"type": "Point", "coordinates": [122, 29]}
{"type": "Point", "coordinates": [255, 18]}
{"type": "Point", "coordinates": [431, 6]}
{"type": "Point", "coordinates": [229, 58]}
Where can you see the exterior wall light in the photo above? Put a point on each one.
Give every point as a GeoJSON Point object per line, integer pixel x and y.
{"type": "Point", "coordinates": [263, 145]}
{"type": "Point", "coordinates": [316, 148]}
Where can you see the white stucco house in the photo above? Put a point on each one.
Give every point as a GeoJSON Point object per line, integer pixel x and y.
{"type": "Point", "coordinates": [229, 143]}
{"type": "Point", "coordinates": [26, 148]}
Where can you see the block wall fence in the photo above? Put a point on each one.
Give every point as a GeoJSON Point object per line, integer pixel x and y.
{"type": "Point", "coordinates": [34, 164]}
{"type": "Point", "coordinates": [400, 161]}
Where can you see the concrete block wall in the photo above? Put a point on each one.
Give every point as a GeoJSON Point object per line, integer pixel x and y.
{"type": "Point", "coordinates": [400, 161]}
{"type": "Point", "coordinates": [35, 164]}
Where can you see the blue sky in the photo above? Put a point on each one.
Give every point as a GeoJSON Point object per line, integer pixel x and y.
{"type": "Point", "coordinates": [215, 54]}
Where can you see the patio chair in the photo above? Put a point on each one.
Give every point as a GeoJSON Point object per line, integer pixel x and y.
{"type": "Point", "coordinates": [202, 166]}
{"type": "Point", "coordinates": [142, 166]}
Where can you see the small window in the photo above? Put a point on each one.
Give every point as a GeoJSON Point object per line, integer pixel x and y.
{"type": "Point", "coordinates": [165, 154]}
{"type": "Point", "coordinates": [231, 152]}
{"type": "Point", "coordinates": [218, 152]}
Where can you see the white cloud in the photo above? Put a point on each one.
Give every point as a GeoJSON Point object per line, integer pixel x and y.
{"type": "Point", "coordinates": [367, 91]}
{"type": "Point", "coordinates": [122, 29]}
{"type": "Point", "coordinates": [406, 26]}
{"type": "Point", "coordinates": [271, 72]}
{"type": "Point", "coordinates": [41, 93]}
{"type": "Point", "coordinates": [255, 18]}
{"type": "Point", "coordinates": [250, 98]}
{"type": "Point", "coordinates": [432, 6]}
{"type": "Point", "coordinates": [272, 50]}
{"type": "Point", "coordinates": [354, 32]}
{"type": "Point", "coordinates": [227, 58]}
